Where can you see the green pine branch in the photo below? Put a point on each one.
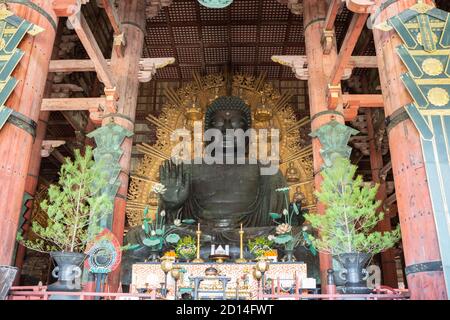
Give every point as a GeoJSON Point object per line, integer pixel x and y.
{"type": "Point", "coordinates": [351, 214]}
{"type": "Point", "coordinates": [74, 205]}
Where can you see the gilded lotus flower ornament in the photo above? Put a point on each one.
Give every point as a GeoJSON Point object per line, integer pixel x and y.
{"type": "Point", "coordinates": [283, 228]}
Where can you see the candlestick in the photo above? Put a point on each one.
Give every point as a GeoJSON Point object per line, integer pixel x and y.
{"type": "Point", "coordinates": [241, 254]}
{"type": "Point", "coordinates": [198, 259]}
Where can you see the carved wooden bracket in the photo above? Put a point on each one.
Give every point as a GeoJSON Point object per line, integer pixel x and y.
{"type": "Point", "coordinates": [154, 6]}
{"type": "Point", "coordinates": [360, 6]}
{"type": "Point", "coordinates": [297, 63]}
{"type": "Point", "coordinates": [49, 145]}
{"type": "Point", "coordinates": [299, 66]}
{"type": "Point", "coordinates": [148, 66]}
{"type": "Point", "coordinates": [296, 6]}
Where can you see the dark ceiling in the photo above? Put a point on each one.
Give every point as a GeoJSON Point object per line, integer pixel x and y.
{"type": "Point", "coordinates": [241, 37]}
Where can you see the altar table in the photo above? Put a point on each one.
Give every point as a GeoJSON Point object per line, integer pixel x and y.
{"type": "Point", "coordinates": [150, 275]}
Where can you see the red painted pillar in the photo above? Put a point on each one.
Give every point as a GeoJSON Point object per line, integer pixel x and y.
{"type": "Point", "coordinates": [419, 237]}
{"type": "Point", "coordinates": [16, 143]}
{"type": "Point", "coordinates": [31, 184]}
{"type": "Point", "coordinates": [320, 67]}
{"type": "Point", "coordinates": [125, 70]}
{"type": "Point", "coordinates": [34, 166]}
{"type": "Point", "coordinates": [388, 266]}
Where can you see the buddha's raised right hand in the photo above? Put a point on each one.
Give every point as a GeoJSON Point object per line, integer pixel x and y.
{"type": "Point", "coordinates": [177, 182]}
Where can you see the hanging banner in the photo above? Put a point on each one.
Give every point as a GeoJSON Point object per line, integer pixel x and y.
{"type": "Point", "coordinates": [425, 32]}
{"type": "Point", "coordinates": [12, 31]}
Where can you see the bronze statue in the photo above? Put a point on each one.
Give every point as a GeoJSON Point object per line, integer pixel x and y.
{"type": "Point", "coordinates": [219, 196]}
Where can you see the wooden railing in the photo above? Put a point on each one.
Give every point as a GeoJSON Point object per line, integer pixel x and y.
{"type": "Point", "coordinates": [41, 293]}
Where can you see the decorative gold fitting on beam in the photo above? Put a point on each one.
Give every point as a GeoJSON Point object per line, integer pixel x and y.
{"type": "Point", "coordinates": [334, 93]}
{"type": "Point", "coordinates": [327, 41]}
{"type": "Point", "coordinates": [119, 44]}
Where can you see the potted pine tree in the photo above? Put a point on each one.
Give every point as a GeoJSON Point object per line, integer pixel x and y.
{"type": "Point", "coordinates": [73, 208]}
{"type": "Point", "coordinates": [346, 229]}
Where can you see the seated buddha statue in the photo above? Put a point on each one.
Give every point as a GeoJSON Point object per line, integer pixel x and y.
{"type": "Point", "coordinates": [220, 197]}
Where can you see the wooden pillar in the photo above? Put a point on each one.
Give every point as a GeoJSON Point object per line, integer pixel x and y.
{"type": "Point", "coordinates": [388, 267]}
{"type": "Point", "coordinates": [419, 237]}
{"type": "Point", "coordinates": [31, 184]}
{"type": "Point", "coordinates": [320, 67]}
{"type": "Point", "coordinates": [125, 71]}
{"type": "Point", "coordinates": [16, 143]}
{"type": "Point", "coordinates": [34, 166]}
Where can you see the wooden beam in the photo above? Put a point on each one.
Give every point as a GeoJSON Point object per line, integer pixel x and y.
{"type": "Point", "coordinates": [299, 64]}
{"type": "Point", "coordinates": [347, 47]}
{"type": "Point", "coordinates": [65, 8]}
{"type": "Point", "coordinates": [113, 17]}
{"type": "Point", "coordinates": [352, 103]}
{"type": "Point", "coordinates": [385, 170]}
{"type": "Point", "coordinates": [363, 62]}
{"type": "Point", "coordinates": [119, 37]}
{"type": "Point", "coordinates": [93, 50]}
{"type": "Point", "coordinates": [328, 35]}
{"type": "Point", "coordinates": [147, 66]}
{"type": "Point", "coordinates": [72, 104]}
{"type": "Point", "coordinates": [69, 65]}
{"type": "Point", "coordinates": [333, 10]}
{"type": "Point", "coordinates": [364, 100]}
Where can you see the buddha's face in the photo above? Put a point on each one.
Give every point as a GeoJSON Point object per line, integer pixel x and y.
{"type": "Point", "coordinates": [228, 119]}
{"type": "Point", "coordinates": [224, 120]}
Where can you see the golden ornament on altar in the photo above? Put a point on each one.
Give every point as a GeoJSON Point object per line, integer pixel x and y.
{"type": "Point", "coordinates": [256, 274]}
{"type": "Point", "coordinates": [432, 67]}
{"type": "Point", "coordinates": [262, 113]}
{"type": "Point", "coordinates": [153, 199]}
{"type": "Point", "coordinates": [194, 113]}
{"type": "Point", "coordinates": [298, 195]}
{"type": "Point", "coordinates": [438, 97]}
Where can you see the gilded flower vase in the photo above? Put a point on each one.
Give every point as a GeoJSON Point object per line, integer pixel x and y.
{"type": "Point", "coordinates": [289, 255]}
{"type": "Point", "coordinates": [154, 255]}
